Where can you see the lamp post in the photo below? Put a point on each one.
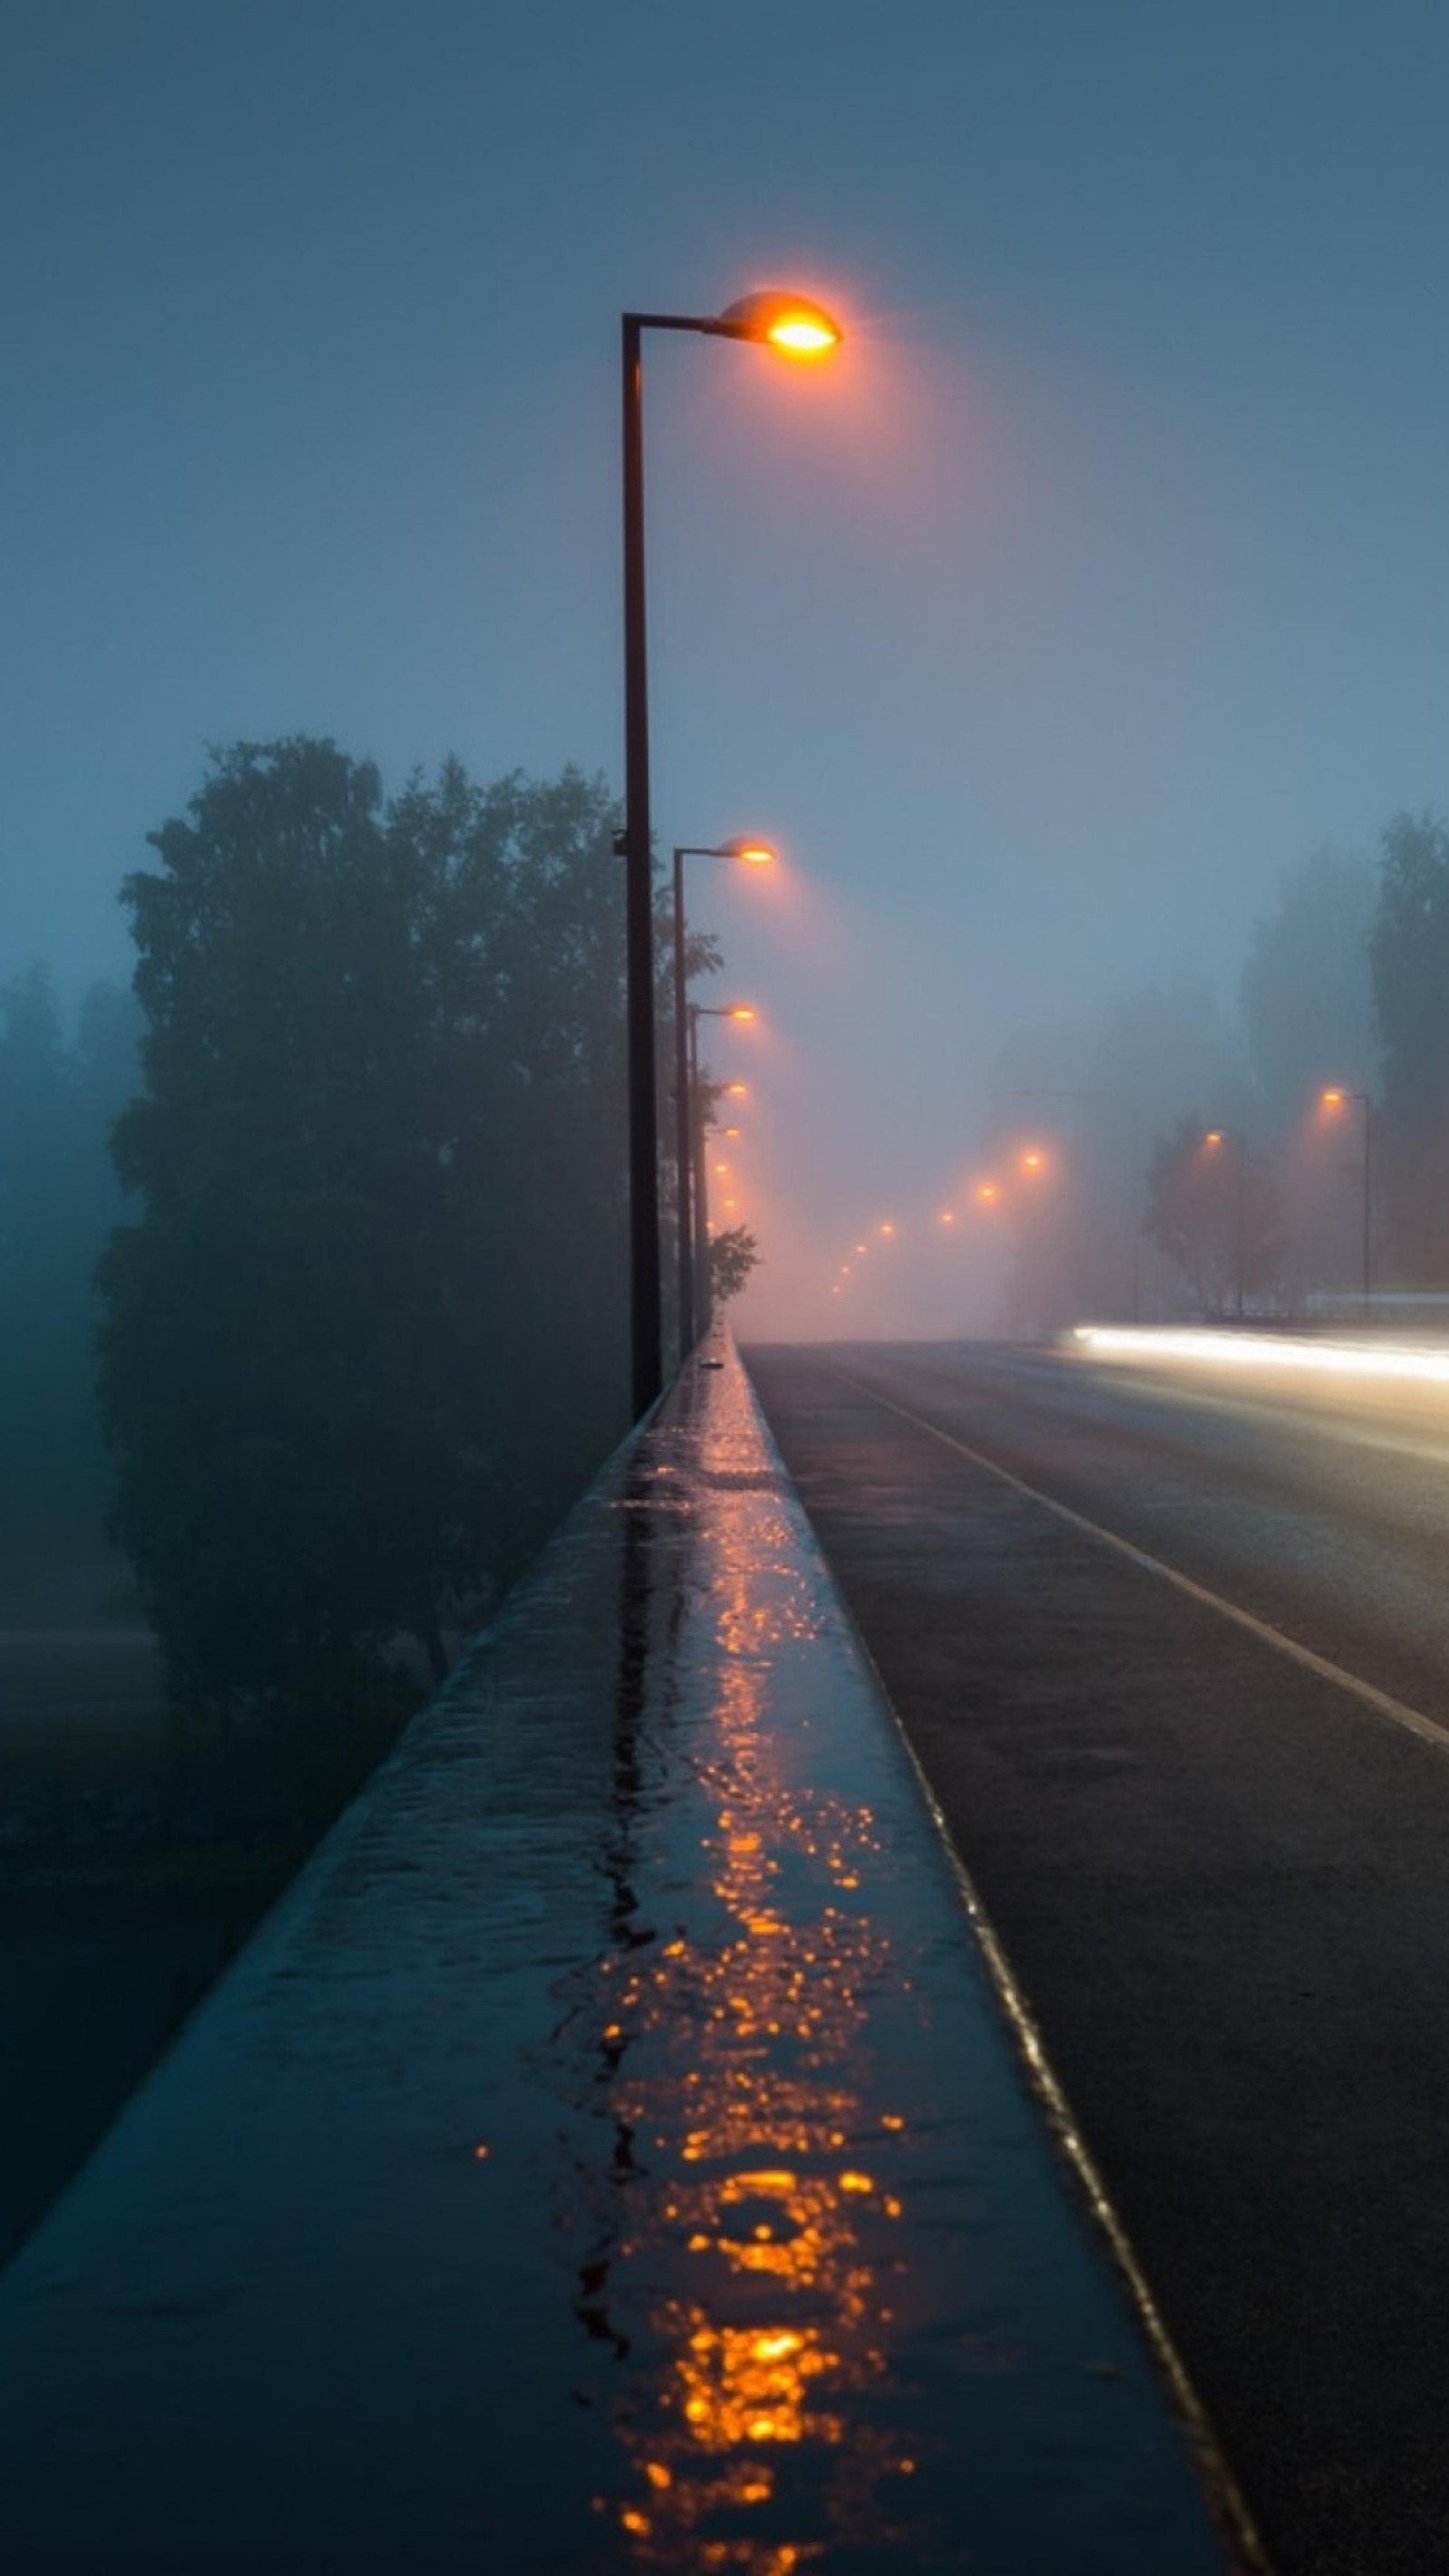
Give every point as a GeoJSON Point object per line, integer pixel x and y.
{"type": "Point", "coordinates": [697, 1011]}
{"type": "Point", "coordinates": [789, 323]}
{"type": "Point", "coordinates": [1215, 1139]}
{"type": "Point", "coordinates": [1335, 1100]}
{"type": "Point", "coordinates": [754, 854]}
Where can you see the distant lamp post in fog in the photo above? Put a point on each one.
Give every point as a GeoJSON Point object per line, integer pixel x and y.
{"type": "Point", "coordinates": [1216, 1139]}
{"type": "Point", "coordinates": [694, 1013]}
{"type": "Point", "coordinates": [800, 329]}
{"type": "Point", "coordinates": [755, 854]}
{"type": "Point", "coordinates": [1337, 1099]}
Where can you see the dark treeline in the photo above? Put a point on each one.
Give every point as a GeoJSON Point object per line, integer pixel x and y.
{"type": "Point", "coordinates": [61, 1089]}
{"type": "Point", "coordinates": [1346, 987]}
{"type": "Point", "coordinates": [362, 1322]}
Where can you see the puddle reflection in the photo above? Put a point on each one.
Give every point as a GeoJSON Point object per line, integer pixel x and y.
{"type": "Point", "coordinates": [746, 2286]}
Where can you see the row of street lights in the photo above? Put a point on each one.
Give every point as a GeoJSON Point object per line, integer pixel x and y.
{"type": "Point", "coordinates": [1033, 1164]}
{"type": "Point", "coordinates": [801, 329]}
{"type": "Point", "coordinates": [689, 1119]}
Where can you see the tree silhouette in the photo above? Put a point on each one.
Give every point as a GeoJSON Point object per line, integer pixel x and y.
{"type": "Point", "coordinates": [364, 1339]}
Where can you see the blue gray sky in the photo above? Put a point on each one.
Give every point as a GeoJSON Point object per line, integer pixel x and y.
{"type": "Point", "coordinates": [1103, 576]}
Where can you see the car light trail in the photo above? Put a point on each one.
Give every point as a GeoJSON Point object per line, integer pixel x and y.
{"type": "Point", "coordinates": [1396, 1360]}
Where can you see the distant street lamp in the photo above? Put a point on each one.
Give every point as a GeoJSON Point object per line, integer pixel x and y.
{"type": "Point", "coordinates": [694, 1013]}
{"type": "Point", "coordinates": [1336, 1099]}
{"type": "Point", "coordinates": [1215, 1139]}
{"type": "Point", "coordinates": [801, 329]}
{"type": "Point", "coordinates": [754, 854]}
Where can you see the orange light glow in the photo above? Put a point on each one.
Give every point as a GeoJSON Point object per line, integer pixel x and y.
{"type": "Point", "coordinates": [754, 852]}
{"type": "Point", "coordinates": [731, 1131]}
{"type": "Point", "coordinates": [1033, 1161]}
{"type": "Point", "coordinates": [743, 1011]}
{"type": "Point", "coordinates": [948, 1216]}
{"type": "Point", "coordinates": [887, 1227]}
{"type": "Point", "coordinates": [804, 338]}
{"type": "Point", "coordinates": [988, 1192]}
{"type": "Point", "coordinates": [1214, 1136]}
{"type": "Point", "coordinates": [860, 1247]}
{"type": "Point", "coordinates": [788, 322]}
{"type": "Point", "coordinates": [737, 1090]}
{"type": "Point", "coordinates": [1332, 1099]}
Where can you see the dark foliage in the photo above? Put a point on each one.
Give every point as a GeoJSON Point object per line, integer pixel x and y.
{"type": "Point", "coordinates": [364, 1340]}
{"type": "Point", "coordinates": [733, 1254]}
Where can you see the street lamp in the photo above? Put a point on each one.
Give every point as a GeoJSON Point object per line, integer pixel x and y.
{"type": "Point", "coordinates": [801, 329]}
{"type": "Point", "coordinates": [753, 854]}
{"type": "Point", "coordinates": [694, 1013]}
{"type": "Point", "coordinates": [1215, 1139]}
{"type": "Point", "coordinates": [1337, 1099]}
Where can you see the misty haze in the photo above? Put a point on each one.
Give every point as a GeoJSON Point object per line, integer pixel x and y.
{"type": "Point", "coordinates": [724, 1262]}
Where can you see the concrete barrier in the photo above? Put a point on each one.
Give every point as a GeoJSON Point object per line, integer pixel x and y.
{"type": "Point", "coordinates": [615, 2151]}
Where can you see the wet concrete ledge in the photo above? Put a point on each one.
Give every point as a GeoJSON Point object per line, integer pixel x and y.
{"type": "Point", "coordinates": [612, 2154]}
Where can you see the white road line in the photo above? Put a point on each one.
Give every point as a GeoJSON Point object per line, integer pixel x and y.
{"type": "Point", "coordinates": [1382, 1703]}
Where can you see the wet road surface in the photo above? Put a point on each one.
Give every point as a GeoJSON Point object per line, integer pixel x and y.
{"type": "Point", "coordinates": [1220, 1871]}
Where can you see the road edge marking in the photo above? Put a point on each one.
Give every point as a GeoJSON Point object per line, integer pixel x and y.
{"type": "Point", "coordinates": [1381, 1703]}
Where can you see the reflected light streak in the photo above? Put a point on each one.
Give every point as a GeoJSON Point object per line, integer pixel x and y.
{"type": "Point", "coordinates": [764, 2254]}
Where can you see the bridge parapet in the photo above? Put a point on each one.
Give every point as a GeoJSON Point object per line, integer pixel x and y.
{"type": "Point", "coordinates": [614, 2152]}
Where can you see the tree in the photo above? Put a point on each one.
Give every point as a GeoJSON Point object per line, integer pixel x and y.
{"type": "Point", "coordinates": [1305, 995]}
{"type": "Point", "coordinates": [1211, 1209]}
{"type": "Point", "coordinates": [733, 1254]}
{"type": "Point", "coordinates": [1307, 1015]}
{"type": "Point", "coordinates": [1409, 958]}
{"type": "Point", "coordinates": [1090, 1096]}
{"type": "Point", "coordinates": [364, 1339]}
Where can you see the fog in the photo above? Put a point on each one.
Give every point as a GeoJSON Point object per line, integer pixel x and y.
{"type": "Point", "coordinates": [1096, 584]}
{"type": "Point", "coordinates": [1074, 633]}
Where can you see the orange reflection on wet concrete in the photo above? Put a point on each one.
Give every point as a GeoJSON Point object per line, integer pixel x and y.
{"type": "Point", "coordinates": [763, 2255]}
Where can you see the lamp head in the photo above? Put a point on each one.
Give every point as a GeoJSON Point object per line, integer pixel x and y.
{"type": "Point", "coordinates": [785, 321]}
{"type": "Point", "coordinates": [756, 854]}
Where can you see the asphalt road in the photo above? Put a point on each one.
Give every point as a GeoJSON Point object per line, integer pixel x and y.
{"type": "Point", "coordinates": [1220, 1872]}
